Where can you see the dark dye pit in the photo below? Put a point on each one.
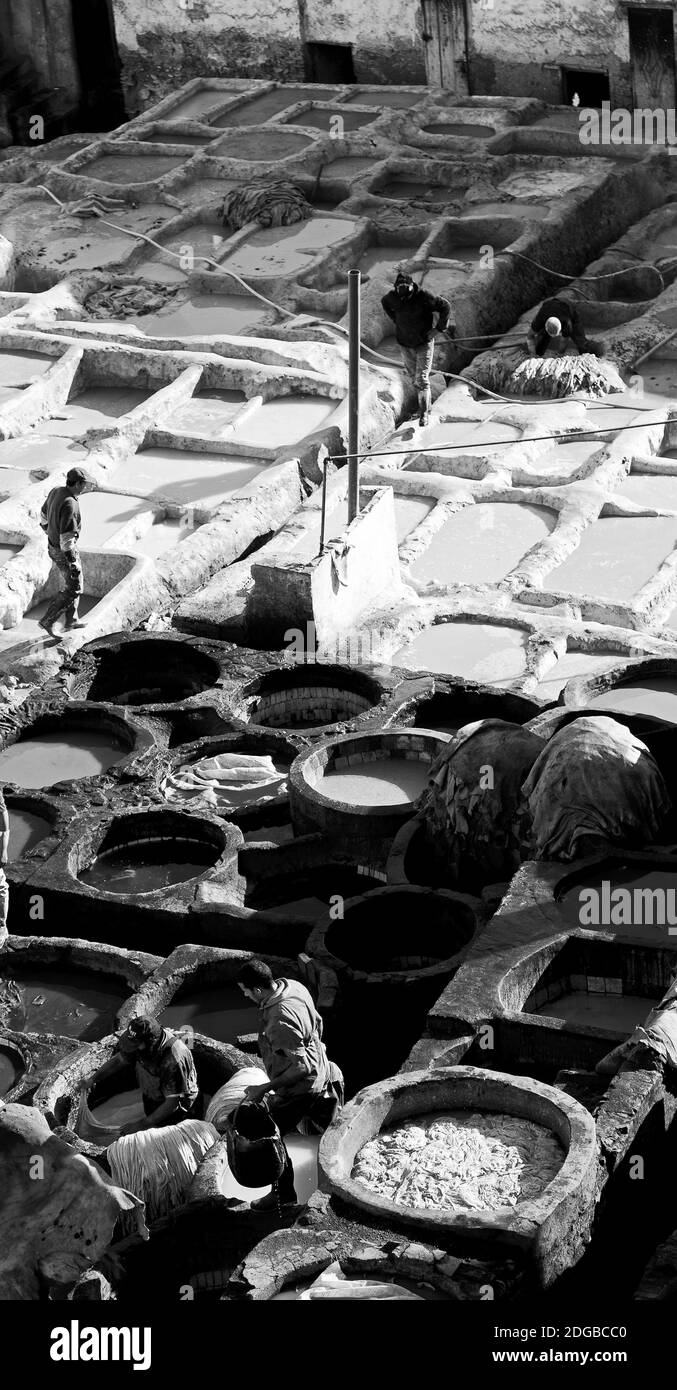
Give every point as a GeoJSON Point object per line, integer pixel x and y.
{"type": "Point", "coordinates": [9, 1074]}
{"type": "Point", "coordinates": [148, 865]}
{"type": "Point", "coordinates": [26, 830]}
{"type": "Point", "coordinates": [309, 895]}
{"type": "Point", "coordinates": [72, 1003]}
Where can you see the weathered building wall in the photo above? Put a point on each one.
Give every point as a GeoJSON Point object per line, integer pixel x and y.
{"type": "Point", "coordinates": [516, 47]}
{"type": "Point", "coordinates": [385, 35]}
{"type": "Point", "coordinates": [163, 46]}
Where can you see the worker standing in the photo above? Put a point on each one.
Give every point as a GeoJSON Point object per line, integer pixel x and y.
{"type": "Point", "coordinates": [417, 316]}
{"type": "Point", "coordinates": [303, 1084]}
{"type": "Point", "coordinates": [556, 326]}
{"type": "Point", "coordinates": [165, 1074]}
{"type": "Point", "coordinates": [4, 854]}
{"type": "Point", "coordinates": [60, 519]}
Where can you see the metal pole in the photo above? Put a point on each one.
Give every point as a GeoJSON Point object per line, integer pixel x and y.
{"type": "Point", "coordinates": [354, 279]}
{"type": "Point", "coordinates": [325, 463]}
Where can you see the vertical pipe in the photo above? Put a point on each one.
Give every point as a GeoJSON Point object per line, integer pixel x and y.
{"type": "Point", "coordinates": [324, 504]}
{"type": "Point", "coordinates": [354, 279]}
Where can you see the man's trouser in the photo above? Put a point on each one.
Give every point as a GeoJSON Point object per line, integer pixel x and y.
{"type": "Point", "coordinates": [418, 366]}
{"type": "Point", "coordinates": [68, 563]}
{"type": "Point", "coordinates": [4, 905]}
{"type": "Point", "coordinates": [320, 1110]}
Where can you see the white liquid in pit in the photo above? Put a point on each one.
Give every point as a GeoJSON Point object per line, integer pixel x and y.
{"type": "Point", "coordinates": [409, 513]}
{"type": "Point", "coordinates": [95, 248]}
{"type": "Point", "coordinates": [122, 1109]}
{"type": "Point", "coordinates": [161, 537]}
{"type": "Point", "coordinates": [50, 758]}
{"type": "Point", "coordinates": [95, 409]}
{"type": "Point", "coordinates": [7, 552]}
{"type": "Point", "coordinates": [285, 420]}
{"type": "Point", "coordinates": [481, 544]}
{"type": "Point", "coordinates": [208, 413]}
{"type": "Point", "coordinates": [33, 451]}
{"type": "Point", "coordinates": [103, 514]}
{"type": "Point", "coordinates": [302, 1150]}
{"type": "Point", "coordinates": [28, 629]}
{"type": "Point", "coordinates": [183, 476]}
{"type": "Point", "coordinates": [651, 490]}
{"type": "Point", "coordinates": [477, 651]}
{"type": "Point", "coordinates": [468, 437]}
{"type": "Point", "coordinates": [619, 1013]}
{"type": "Point", "coordinates": [17, 368]}
{"type": "Point", "coordinates": [570, 665]}
{"type": "Point", "coordinates": [564, 459]}
{"type": "Point", "coordinates": [653, 695]}
{"type": "Point", "coordinates": [384, 782]}
{"type": "Point", "coordinates": [288, 250]}
{"type": "Point", "coordinates": [203, 316]}
{"type": "Point", "coordinates": [615, 557]}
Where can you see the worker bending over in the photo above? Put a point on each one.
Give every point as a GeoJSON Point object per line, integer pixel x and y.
{"type": "Point", "coordinates": [556, 326]}
{"type": "Point", "coordinates": [417, 316]}
{"type": "Point", "coordinates": [303, 1084]}
{"type": "Point", "coordinates": [165, 1074]}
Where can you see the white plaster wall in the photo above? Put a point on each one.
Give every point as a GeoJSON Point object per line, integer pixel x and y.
{"type": "Point", "coordinates": [549, 31]}
{"type": "Point", "coordinates": [377, 23]}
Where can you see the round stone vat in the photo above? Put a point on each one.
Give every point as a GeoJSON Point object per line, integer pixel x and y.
{"type": "Point", "coordinates": [310, 697]}
{"type": "Point", "coordinates": [68, 747]}
{"type": "Point", "coordinates": [240, 794]}
{"type": "Point", "coordinates": [68, 988]}
{"type": "Point", "coordinates": [550, 1226]}
{"type": "Point", "coordinates": [31, 821]}
{"type": "Point", "coordinates": [13, 1064]}
{"type": "Point", "coordinates": [448, 706]}
{"type": "Point", "coordinates": [148, 672]}
{"type": "Point", "coordinates": [302, 893]}
{"type": "Point", "coordinates": [149, 852]}
{"type": "Point", "coordinates": [625, 895]}
{"type": "Point", "coordinates": [58, 1096]}
{"type": "Point", "coordinates": [363, 785]}
{"type": "Point", "coordinates": [398, 944]}
{"type": "Point", "coordinates": [647, 686]}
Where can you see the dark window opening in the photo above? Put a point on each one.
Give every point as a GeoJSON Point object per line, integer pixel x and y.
{"type": "Point", "coordinates": [592, 87]}
{"type": "Point", "coordinates": [102, 104]}
{"type": "Point", "coordinates": [329, 62]}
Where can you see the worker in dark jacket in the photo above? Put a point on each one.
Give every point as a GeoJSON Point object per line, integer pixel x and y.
{"type": "Point", "coordinates": [61, 521]}
{"type": "Point", "coordinates": [417, 316]}
{"type": "Point", "coordinates": [556, 322]}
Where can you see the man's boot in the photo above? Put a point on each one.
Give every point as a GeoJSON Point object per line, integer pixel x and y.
{"type": "Point", "coordinates": [424, 407]}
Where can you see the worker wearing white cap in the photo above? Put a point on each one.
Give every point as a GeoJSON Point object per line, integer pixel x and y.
{"type": "Point", "coordinates": [557, 326]}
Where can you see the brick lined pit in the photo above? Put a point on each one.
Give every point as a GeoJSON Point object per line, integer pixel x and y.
{"type": "Point", "coordinates": [310, 697]}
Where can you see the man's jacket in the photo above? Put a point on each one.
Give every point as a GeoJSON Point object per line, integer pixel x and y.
{"type": "Point", "coordinates": [60, 518]}
{"type": "Point", "coordinates": [417, 317]}
{"type": "Point", "coordinates": [290, 1042]}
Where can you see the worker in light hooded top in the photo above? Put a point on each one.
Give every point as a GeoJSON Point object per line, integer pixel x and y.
{"type": "Point", "coordinates": [165, 1074]}
{"type": "Point", "coordinates": [61, 521]}
{"type": "Point", "coordinates": [303, 1085]}
{"type": "Point", "coordinates": [417, 316]}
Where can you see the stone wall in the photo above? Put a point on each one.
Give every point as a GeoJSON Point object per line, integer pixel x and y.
{"type": "Point", "coordinates": [516, 46]}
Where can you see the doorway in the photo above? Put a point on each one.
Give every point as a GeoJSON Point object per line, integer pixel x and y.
{"type": "Point", "coordinates": [652, 58]}
{"type": "Point", "coordinates": [445, 37]}
{"type": "Point", "coordinates": [592, 88]}
{"type": "Point", "coordinates": [330, 62]}
{"type": "Point", "coordinates": [102, 104]}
